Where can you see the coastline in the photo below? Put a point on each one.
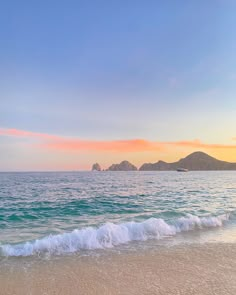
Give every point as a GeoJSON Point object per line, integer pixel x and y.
{"type": "Point", "coordinates": [204, 269]}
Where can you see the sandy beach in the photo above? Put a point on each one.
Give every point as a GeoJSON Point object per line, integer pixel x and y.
{"type": "Point", "coordinates": [191, 269]}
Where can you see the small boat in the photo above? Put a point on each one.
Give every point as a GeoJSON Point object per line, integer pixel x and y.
{"type": "Point", "coordinates": [182, 170]}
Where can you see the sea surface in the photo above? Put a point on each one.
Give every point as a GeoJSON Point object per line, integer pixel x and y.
{"type": "Point", "coordinates": [59, 213]}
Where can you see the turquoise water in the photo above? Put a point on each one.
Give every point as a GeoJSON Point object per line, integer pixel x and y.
{"type": "Point", "coordinates": [71, 211]}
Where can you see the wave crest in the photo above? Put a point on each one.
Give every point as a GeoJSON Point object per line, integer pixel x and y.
{"type": "Point", "coordinates": [110, 235]}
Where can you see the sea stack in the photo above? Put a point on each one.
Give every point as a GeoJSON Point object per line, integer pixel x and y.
{"type": "Point", "coordinates": [96, 167]}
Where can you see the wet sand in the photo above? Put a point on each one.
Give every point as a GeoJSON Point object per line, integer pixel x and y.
{"type": "Point", "coordinates": [193, 269]}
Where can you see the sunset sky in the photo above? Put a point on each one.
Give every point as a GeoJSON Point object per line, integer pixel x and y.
{"type": "Point", "coordinates": [106, 81]}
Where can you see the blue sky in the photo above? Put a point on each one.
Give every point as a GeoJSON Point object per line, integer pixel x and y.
{"type": "Point", "coordinates": [111, 70]}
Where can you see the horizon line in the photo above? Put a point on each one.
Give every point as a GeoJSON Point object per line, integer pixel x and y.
{"type": "Point", "coordinates": [106, 170]}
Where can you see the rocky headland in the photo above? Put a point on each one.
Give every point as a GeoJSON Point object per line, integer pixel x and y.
{"type": "Point", "coordinates": [123, 166]}
{"type": "Point", "coordinates": [195, 161]}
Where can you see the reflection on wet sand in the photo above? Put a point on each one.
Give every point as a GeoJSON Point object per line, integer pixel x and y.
{"type": "Point", "coordinates": [192, 269]}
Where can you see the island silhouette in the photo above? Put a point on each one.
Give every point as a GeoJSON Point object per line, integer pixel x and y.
{"type": "Point", "coordinates": [197, 161]}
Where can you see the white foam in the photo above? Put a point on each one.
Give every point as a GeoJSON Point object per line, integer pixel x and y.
{"type": "Point", "coordinates": [110, 235]}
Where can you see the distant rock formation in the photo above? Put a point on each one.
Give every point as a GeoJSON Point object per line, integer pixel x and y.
{"type": "Point", "coordinates": [96, 167]}
{"type": "Point", "coordinates": [160, 165]}
{"type": "Point", "coordinates": [194, 161]}
{"type": "Point", "coordinates": [123, 166]}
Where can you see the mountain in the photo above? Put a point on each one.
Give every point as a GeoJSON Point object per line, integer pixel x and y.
{"type": "Point", "coordinates": [123, 166]}
{"type": "Point", "coordinates": [96, 167]}
{"type": "Point", "coordinates": [194, 161]}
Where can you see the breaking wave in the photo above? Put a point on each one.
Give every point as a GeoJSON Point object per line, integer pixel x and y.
{"type": "Point", "coordinates": [110, 235]}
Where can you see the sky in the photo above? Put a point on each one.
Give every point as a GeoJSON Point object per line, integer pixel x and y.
{"type": "Point", "coordinates": [106, 81]}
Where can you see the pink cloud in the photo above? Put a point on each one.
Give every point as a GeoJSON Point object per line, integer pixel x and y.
{"type": "Point", "coordinates": [23, 133]}
{"type": "Point", "coordinates": [61, 143]}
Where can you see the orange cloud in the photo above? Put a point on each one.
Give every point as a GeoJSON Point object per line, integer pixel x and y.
{"type": "Point", "coordinates": [63, 143]}
{"type": "Point", "coordinates": [133, 145]}
{"type": "Point", "coordinates": [198, 144]}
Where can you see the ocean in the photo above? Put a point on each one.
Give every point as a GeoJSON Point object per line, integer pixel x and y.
{"type": "Point", "coordinates": [65, 212]}
{"type": "Point", "coordinates": [46, 217]}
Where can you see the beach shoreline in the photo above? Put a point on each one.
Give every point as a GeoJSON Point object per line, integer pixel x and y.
{"type": "Point", "coordinates": [183, 269]}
